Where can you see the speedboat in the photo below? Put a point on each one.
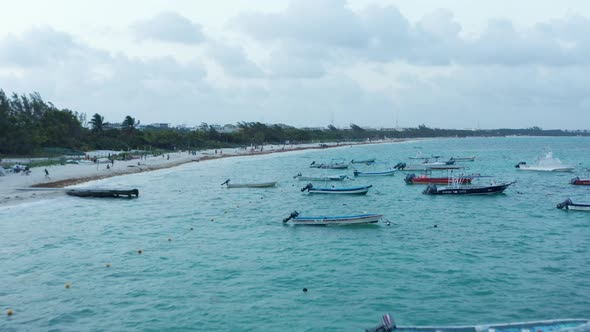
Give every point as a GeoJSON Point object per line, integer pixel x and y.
{"type": "Point", "coordinates": [546, 164]}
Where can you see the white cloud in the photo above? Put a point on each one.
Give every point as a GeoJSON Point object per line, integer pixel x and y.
{"type": "Point", "coordinates": [169, 27]}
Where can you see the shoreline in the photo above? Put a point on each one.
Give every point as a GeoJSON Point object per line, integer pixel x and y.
{"type": "Point", "coordinates": [16, 188]}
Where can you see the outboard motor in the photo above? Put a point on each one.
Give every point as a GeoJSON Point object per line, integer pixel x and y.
{"type": "Point", "coordinates": [296, 176]}
{"type": "Point", "coordinates": [410, 178]}
{"type": "Point", "coordinates": [574, 180]}
{"type": "Point", "coordinates": [400, 166]}
{"type": "Point", "coordinates": [431, 189]}
{"type": "Point", "coordinates": [312, 163]}
{"type": "Point", "coordinates": [520, 163]}
{"type": "Point", "coordinates": [565, 204]}
{"type": "Point", "coordinates": [307, 187]}
{"type": "Point", "coordinates": [226, 182]}
{"type": "Point", "coordinates": [291, 216]}
{"type": "Point", "coordinates": [355, 172]}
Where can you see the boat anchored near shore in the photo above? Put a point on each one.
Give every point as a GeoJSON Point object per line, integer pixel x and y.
{"type": "Point", "coordinates": [333, 220]}
{"type": "Point", "coordinates": [268, 184]}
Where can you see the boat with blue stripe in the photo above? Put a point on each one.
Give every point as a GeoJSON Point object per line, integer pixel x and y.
{"type": "Point", "coordinates": [333, 220]}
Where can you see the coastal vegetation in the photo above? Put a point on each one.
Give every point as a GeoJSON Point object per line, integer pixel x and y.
{"type": "Point", "coordinates": [30, 126]}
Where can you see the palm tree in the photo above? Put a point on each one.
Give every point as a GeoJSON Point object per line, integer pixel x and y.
{"type": "Point", "coordinates": [96, 122]}
{"type": "Point", "coordinates": [129, 124]}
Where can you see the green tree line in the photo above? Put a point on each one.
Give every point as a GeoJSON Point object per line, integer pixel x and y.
{"type": "Point", "coordinates": [31, 126]}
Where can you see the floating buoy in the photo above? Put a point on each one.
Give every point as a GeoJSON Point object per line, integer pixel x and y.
{"type": "Point", "coordinates": [108, 265]}
{"type": "Point", "coordinates": [169, 239]}
{"type": "Point", "coordinates": [68, 285]}
{"type": "Point", "coordinates": [305, 290]}
{"type": "Point", "coordinates": [9, 312]}
{"type": "Point", "coordinates": [212, 219]}
{"type": "Point", "coordinates": [435, 226]}
{"type": "Point", "coordinates": [191, 228]}
{"type": "Point", "coordinates": [238, 206]}
{"type": "Point", "coordinates": [139, 251]}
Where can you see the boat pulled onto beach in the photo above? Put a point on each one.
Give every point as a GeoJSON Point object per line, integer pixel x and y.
{"type": "Point", "coordinates": [555, 325]}
{"type": "Point", "coordinates": [297, 219]}
{"type": "Point", "coordinates": [103, 193]}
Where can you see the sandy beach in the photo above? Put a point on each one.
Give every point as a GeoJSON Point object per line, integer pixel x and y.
{"type": "Point", "coordinates": [18, 188]}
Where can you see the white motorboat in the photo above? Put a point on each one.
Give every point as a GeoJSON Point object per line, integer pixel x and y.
{"type": "Point", "coordinates": [546, 164]}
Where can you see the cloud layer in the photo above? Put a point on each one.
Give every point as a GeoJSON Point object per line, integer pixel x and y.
{"type": "Point", "coordinates": [313, 62]}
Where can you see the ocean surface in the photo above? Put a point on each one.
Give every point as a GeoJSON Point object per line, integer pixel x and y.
{"type": "Point", "coordinates": [216, 259]}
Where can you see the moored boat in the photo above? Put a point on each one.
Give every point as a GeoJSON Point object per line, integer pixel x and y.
{"type": "Point", "coordinates": [580, 182]}
{"type": "Point", "coordinates": [472, 158]}
{"type": "Point", "coordinates": [555, 325]}
{"type": "Point", "coordinates": [333, 220]}
{"type": "Point", "coordinates": [424, 167]}
{"type": "Point", "coordinates": [546, 164]}
{"type": "Point", "coordinates": [363, 161]}
{"type": "Point", "coordinates": [569, 205]}
{"type": "Point", "coordinates": [332, 165]}
{"type": "Point", "coordinates": [103, 193]}
{"type": "Point", "coordinates": [268, 184]}
{"type": "Point", "coordinates": [432, 189]}
{"type": "Point", "coordinates": [425, 179]}
{"type": "Point", "coordinates": [339, 177]}
{"type": "Point", "coordinates": [362, 190]}
{"type": "Point", "coordinates": [382, 173]}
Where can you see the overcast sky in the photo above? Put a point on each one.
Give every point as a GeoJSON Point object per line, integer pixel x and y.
{"type": "Point", "coordinates": [381, 63]}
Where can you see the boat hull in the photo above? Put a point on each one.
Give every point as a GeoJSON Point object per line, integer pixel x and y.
{"type": "Point", "coordinates": [103, 193]}
{"type": "Point", "coordinates": [338, 220]}
{"type": "Point", "coordinates": [467, 190]}
{"type": "Point", "coordinates": [558, 325]}
{"type": "Point", "coordinates": [581, 182]}
{"type": "Point", "coordinates": [367, 174]}
{"type": "Point", "coordinates": [340, 191]}
{"type": "Point", "coordinates": [444, 180]}
{"type": "Point", "coordinates": [252, 185]}
{"type": "Point", "coordinates": [569, 205]}
{"type": "Point", "coordinates": [322, 178]}
{"type": "Point", "coordinates": [546, 169]}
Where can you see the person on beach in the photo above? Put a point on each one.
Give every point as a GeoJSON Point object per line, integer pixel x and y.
{"type": "Point", "coordinates": [47, 174]}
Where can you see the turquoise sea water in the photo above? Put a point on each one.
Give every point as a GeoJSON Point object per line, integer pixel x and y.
{"type": "Point", "coordinates": [509, 257]}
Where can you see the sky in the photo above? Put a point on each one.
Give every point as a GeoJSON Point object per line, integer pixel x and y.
{"type": "Point", "coordinates": [307, 63]}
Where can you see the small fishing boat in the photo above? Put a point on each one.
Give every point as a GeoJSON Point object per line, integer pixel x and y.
{"type": "Point", "coordinates": [363, 161]}
{"type": "Point", "coordinates": [333, 220]}
{"type": "Point", "coordinates": [457, 189]}
{"type": "Point", "coordinates": [420, 156]}
{"type": "Point", "coordinates": [362, 190]}
{"type": "Point", "coordinates": [472, 158]}
{"type": "Point", "coordinates": [103, 193]}
{"type": "Point", "coordinates": [580, 182]}
{"type": "Point", "coordinates": [569, 205]}
{"type": "Point", "coordinates": [339, 177]}
{"type": "Point", "coordinates": [546, 164]}
{"type": "Point", "coordinates": [382, 173]}
{"type": "Point", "coordinates": [427, 179]}
{"type": "Point", "coordinates": [555, 325]}
{"type": "Point", "coordinates": [423, 167]}
{"type": "Point", "coordinates": [250, 185]}
{"type": "Point", "coordinates": [332, 165]}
